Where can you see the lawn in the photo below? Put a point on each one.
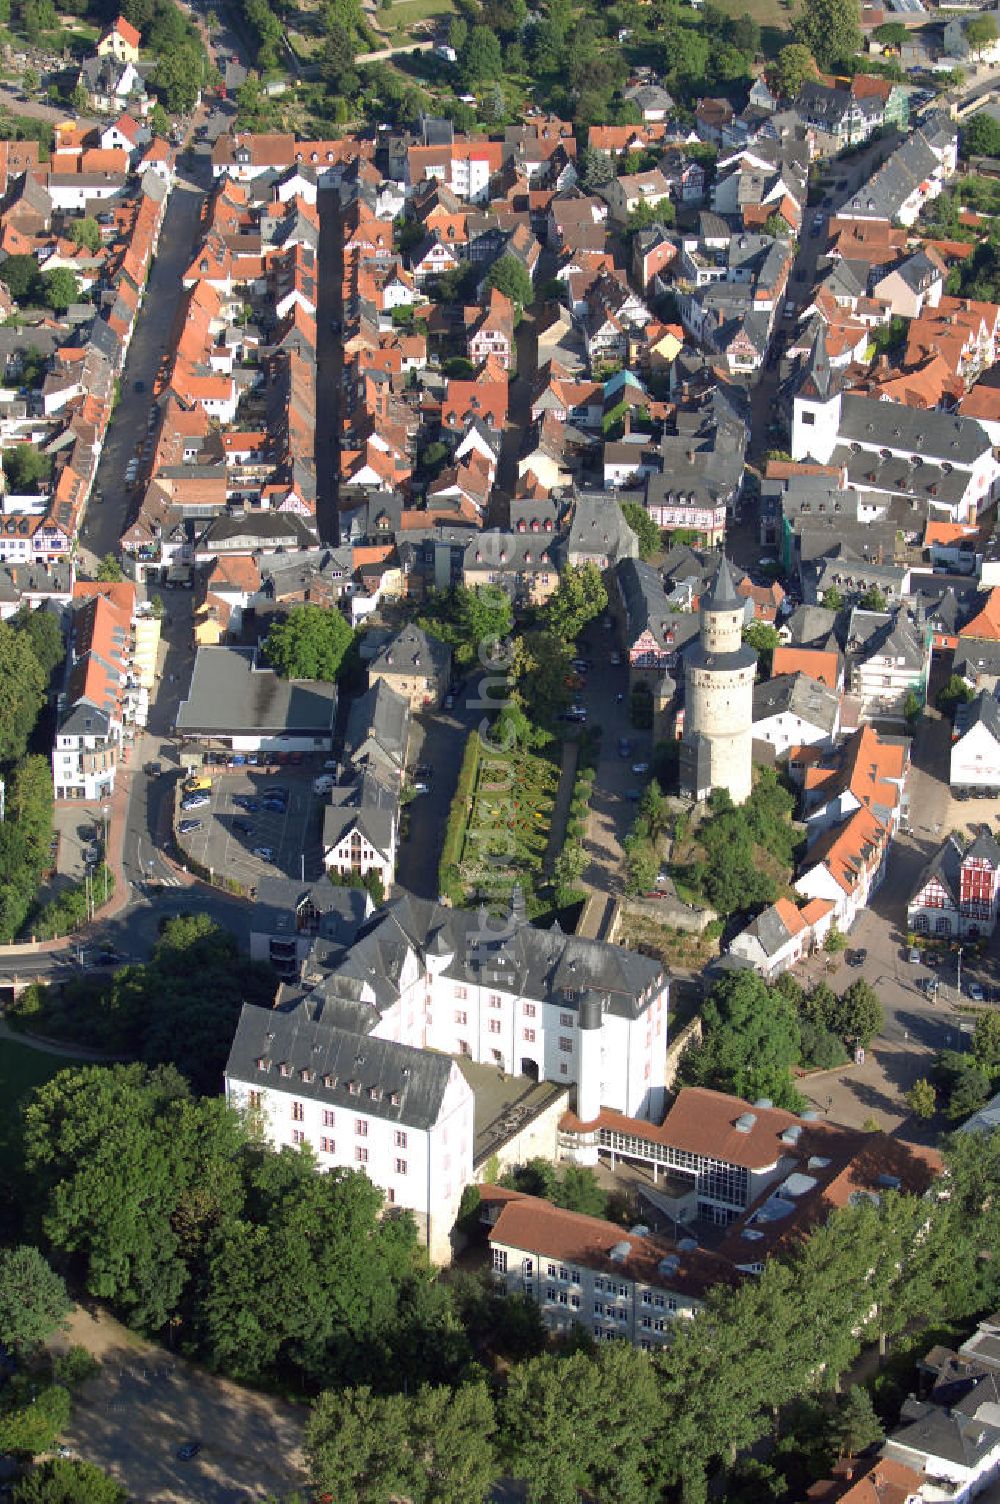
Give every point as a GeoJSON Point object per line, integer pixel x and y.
{"type": "Point", "coordinates": [21, 1070]}
{"type": "Point", "coordinates": [405, 12]}
{"type": "Point", "coordinates": [507, 828]}
{"type": "Point", "coordinates": [773, 16]}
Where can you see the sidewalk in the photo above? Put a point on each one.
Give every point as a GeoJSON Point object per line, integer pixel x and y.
{"type": "Point", "coordinates": [560, 809]}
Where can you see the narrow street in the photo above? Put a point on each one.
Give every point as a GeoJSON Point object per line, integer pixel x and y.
{"type": "Point", "coordinates": [329, 365]}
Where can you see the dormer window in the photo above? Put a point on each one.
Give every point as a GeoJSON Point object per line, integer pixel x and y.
{"type": "Point", "coordinates": [263, 1063]}
{"type": "Point", "coordinates": [354, 1088]}
{"type": "Point", "coordinates": [284, 1068]}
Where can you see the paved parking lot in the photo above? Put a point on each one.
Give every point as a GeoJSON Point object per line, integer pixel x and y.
{"type": "Point", "coordinates": [228, 834]}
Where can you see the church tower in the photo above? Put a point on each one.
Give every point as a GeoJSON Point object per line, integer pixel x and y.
{"type": "Point", "coordinates": [719, 670]}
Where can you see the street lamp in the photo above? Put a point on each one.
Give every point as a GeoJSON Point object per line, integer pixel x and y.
{"type": "Point", "coordinates": [105, 812]}
{"type": "Point", "coordinates": [959, 973]}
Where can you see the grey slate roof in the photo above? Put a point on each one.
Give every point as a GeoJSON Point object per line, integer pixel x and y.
{"type": "Point", "coordinates": [721, 594]}
{"type": "Point", "coordinates": [984, 711]}
{"type": "Point", "coordinates": [932, 435]}
{"type": "Point", "coordinates": [379, 717]}
{"type": "Point", "coordinates": [800, 696]}
{"type": "Point", "coordinates": [366, 805]}
{"type": "Point", "coordinates": [396, 1082]}
{"type": "Point", "coordinates": [547, 965]}
{"type": "Point", "coordinates": [599, 527]}
{"type": "Point", "coordinates": [230, 693]}
{"type": "Point", "coordinates": [413, 650]}
{"type": "Point", "coordinates": [873, 634]}
{"type": "Point", "coordinates": [811, 627]}
{"type": "Point", "coordinates": [340, 912]}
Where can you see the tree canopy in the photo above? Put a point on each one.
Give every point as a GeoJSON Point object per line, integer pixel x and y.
{"type": "Point", "coordinates": [469, 619]}
{"type": "Point", "coordinates": [61, 1480]}
{"type": "Point", "coordinates": [310, 643]}
{"type": "Point", "coordinates": [981, 136]}
{"type": "Point", "coordinates": [580, 597]}
{"type": "Point", "coordinates": [508, 275]}
{"type": "Point", "coordinates": [645, 529]}
{"type": "Point", "coordinates": [793, 67]}
{"type": "Point", "coordinates": [33, 1299]}
{"type": "Point", "coordinates": [831, 29]}
{"type": "Point", "coordinates": [750, 1042]}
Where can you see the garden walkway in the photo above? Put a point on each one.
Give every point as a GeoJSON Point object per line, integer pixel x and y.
{"type": "Point", "coordinates": [560, 809]}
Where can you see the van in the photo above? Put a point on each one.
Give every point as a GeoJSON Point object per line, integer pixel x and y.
{"type": "Point", "coordinates": [198, 783]}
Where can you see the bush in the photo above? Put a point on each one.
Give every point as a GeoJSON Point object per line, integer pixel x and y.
{"type": "Point", "coordinates": [449, 882]}
{"type": "Point", "coordinates": [75, 1367]}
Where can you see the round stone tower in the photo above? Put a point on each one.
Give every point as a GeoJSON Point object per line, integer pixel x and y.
{"type": "Point", "coordinates": [719, 670]}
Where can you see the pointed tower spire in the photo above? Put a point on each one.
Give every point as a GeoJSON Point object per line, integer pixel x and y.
{"type": "Point", "coordinates": [721, 594]}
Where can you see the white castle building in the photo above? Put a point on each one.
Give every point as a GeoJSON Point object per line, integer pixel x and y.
{"type": "Point", "coordinates": [362, 1068]}
{"type": "Point", "coordinates": [719, 671]}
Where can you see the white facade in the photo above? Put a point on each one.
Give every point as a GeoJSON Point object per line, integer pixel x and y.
{"type": "Point", "coordinates": [422, 1170]}
{"type": "Point", "coordinates": [975, 760]}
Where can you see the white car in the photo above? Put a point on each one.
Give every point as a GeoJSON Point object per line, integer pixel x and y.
{"type": "Point", "coordinates": [976, 993]}
{"type": "Point", "coordinates": [640, 767]}
{"type": "Point", "coordinates": [265, 853]}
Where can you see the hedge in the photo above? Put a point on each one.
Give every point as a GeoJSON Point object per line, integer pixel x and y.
{"type": "Point", "coordinates": [449, 882]}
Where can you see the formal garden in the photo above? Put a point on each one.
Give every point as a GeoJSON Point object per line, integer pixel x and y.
{"type": "Point", "coordinates": [498, 829]}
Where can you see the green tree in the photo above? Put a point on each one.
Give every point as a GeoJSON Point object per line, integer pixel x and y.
{"type": "Point", "coordinates": [86, 232]}
{"type": "Point", "coordinates": [645, 529]}
{"type": "Point", "coordinates": [921, 1098]}
{"type": "Point", "coordinates": [832, 600]}
{"type": "Point", "coordinates": [123, 1160]}
{"type": "Point", "coordinates": [469, 619]}
{"type": "Point", "coordinates": [109, 570]}
{"type": "Point", "coordinates": [26, 469]}
{"type": "Point", "coordinates": [981, 136]}
{"type": "Point", "coordinates": [43, 631]}
{"type": "Point", "coordinates": [578, 1190]}
{"type": "Point", "coordinates": [890, 34]}
{"type": "Point", "coordinates": [22, 691]}
{"type": "Point", "coordinates": [59, 288]}
{"type": "Point", "coordinates": [980, 32]}
{"type": "Point", "coordinates": [858, 1016]}
{"type": "Point", "coordinates": [793, 67]}
{"type": "Point", "coordinates": [178, 77]}
{"type": "Point", "coordinates": [481, 58]}
{"type": "Point", "coordinates": [595, 168]}
{"type": "Point", "coordinates": [508, 275]}
{"type": "Point", "coordinates": [746, 34]}
{"type": "Point", "coordinates": [337, 62]}
{"type": "Point", "coordinates": [33, 1299]}
{"type": "Point", "coordinates": [834, 941]}
{"type": "Point", "coordinates": [581, 597]}
{"type": "Point", "coordinates": [21, 276]}
{"type": "Point", "coordinates": [32, 1417]}
{"type": "Point", "coordinates": [540, 671]}
{"type": "Point", "coordinates": [309, 643]}
{"type": "Point", "coordinates": [986, 1043]}
{"type": "Point", "coordinates": [434, 1446]}
{"type": "Point", "coordinates": [61, 1480]}
{"type": "Point", "coordinates": [750, 1042]}
{"type": "Point", "coordinates": [777, 225]}
{"type": "Point", "coordinates": [854, 1424]}
{"type": "Point", "coordinates": [831, 29]}
{"type": "Point", "coordinates": [763, 639]}
{"type": "Point", "coordinates": [956, 692]}
{"type": "Point", "coordinates": [873, 600]}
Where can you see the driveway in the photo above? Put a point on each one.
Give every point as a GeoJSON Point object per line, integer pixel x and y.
{"type": "Point", "coordinates": [146, 1402]}
{"type": "Point", "coordinates": [611, 812]}
{"type": "Point", "coordinates": [439, 742]}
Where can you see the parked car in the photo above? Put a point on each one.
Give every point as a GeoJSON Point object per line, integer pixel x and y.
{"type": "Point", "coordinates": [153, 769]}
{"type": "Point", "coordinates": [247, 802]}
{"type": "Point", "coordinates": [188, 1450]}
{"type": "Point", "coordinates": [640, 767]}
{"type": "Point", "coordinates": [187, 827]}
{"type": "Point", "coordinates": [274, 806]}
{"type": "Point", "coordinates": [265, 853]}
{"type": "Point", "coordinates": [421, 786]}
{"type": "Point", "coordinates": [624, 747]}
{"type": "Point", "coordinates": [913, 956]}
{"type": "Point", "coordinates": [243, 827]}
{"type": "Point", "coordinates": [275, 791]}
{"type": "Point", "coordinates": [975, 992]}
{"type": "Point", "coordinates": [449, 702]}
{"type": "Point", "coordinates": [195, 801]}
{"type": "Point", "coordinates": [856, 957]}
{"type": "Point", "coordinates": [323, 784]}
